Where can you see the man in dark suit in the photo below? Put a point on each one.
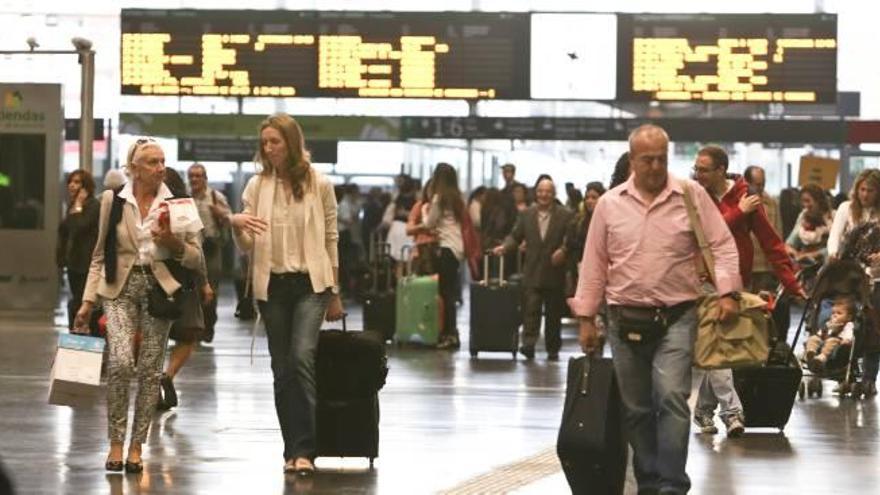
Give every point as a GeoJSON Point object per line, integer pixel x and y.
{"type": "Point", "coordinates": [542, 226]}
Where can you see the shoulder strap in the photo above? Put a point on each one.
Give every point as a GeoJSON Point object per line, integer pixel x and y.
{"type": "Point", "coordinates": [697, 226]}
{"type": "Point", "coordinates": [110, 240]}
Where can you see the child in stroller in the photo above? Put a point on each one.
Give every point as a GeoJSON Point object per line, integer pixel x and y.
{"type": "Point", "coordinates": [841, 286]}
{"type": "Point", "coordinates": [836, 332]}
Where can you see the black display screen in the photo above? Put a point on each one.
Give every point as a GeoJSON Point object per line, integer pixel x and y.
{"type": "Point", "coordinates": [785, 58]}
{"type": "Point", "coordinates": [469, 55]}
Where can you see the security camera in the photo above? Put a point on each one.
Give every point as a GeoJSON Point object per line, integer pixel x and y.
{"type": "Point", "coordinates": [32, 43]}
{"type": "Point", "coordinates": [81, 44]}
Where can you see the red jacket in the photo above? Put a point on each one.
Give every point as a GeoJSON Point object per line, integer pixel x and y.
{"type": "Point", "coordinates": [743, 225]}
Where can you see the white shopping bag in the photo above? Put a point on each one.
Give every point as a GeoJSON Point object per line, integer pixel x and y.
{"type": "Point", "coordinates": [184, 216]}
{"type": "Point", "coordinates": [76, 374]}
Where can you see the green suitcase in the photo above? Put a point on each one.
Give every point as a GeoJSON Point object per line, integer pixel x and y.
{"type": "Point", "coordinates": [418, 310]}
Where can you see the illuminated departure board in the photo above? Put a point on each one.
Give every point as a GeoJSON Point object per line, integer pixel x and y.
{"type": "Point", "coordinates": [334, 54]}
{"type": "Point", "coordinates": [784, 58]}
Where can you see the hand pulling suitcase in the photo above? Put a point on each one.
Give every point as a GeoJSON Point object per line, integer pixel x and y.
{"type": "Point", "coordinates": [379, 301]}
{"type": "Point", "coordinates": [351, 368]}
{"type": "Point", "coordinates": [591, 445]}
{"type": "Point", "coordinates": [418, 308]}
{"type": "Point", "coordinates": [496, 313]}
{"type": "Point", "coordinates": [767, 393]}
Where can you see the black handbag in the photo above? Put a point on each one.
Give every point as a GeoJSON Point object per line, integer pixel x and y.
{"type": "Point", "coordinates": [170, 307]}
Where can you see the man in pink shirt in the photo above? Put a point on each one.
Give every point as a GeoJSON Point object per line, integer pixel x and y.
{"type": "Point", "coordinates": [640, 256]}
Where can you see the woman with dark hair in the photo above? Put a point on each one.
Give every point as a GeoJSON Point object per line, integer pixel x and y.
{"type": "Point", "coordinates": [576, 237]}
{"type": "Point", "coordinates": [447, 216]}
{"type": "Point", "coordinates": [520, 195]}
{"type": "Point", "coordinates": [621, 171]}
{"type": "Point", "coordinates": [77, 234]}
{"type": "Point", "coordinates": [475, 204]}
{"type": "Point", "coordinates": [425, 257]}
{"type": "Point", "coordinates": [863, 207]}
{"type": "Point", "coordinates": [807, 241]}
{"type": "Point", "coordinates": [289, 227]}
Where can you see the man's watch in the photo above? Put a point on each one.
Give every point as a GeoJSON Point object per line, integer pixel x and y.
{"type": "Point", "coordinates": [735, 295]}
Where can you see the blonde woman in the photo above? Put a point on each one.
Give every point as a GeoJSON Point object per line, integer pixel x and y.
{"type": "Point", "coordinates": [289, 225]}
{"type": "Point", "coordinates": [131, 258]}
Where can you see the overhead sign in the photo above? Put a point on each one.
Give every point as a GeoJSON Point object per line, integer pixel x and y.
{"type": "Point", "coordinates": [817, 170]}
{"type": "Point", "coordinates": [71, 129]}
{"type": "Point", "coordinates": [334, 54]}
{"type": "Point", "coordinates": [785, 58]}
{"type": "Point", "coordinates": [241, 150]}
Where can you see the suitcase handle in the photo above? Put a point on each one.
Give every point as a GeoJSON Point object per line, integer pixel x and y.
{"type": "Point", "coordinates": [584, 383]}
{"type": "Point", "coordinates": [406, 254]}
{"type": "Point", "coordinates": [488, 254]}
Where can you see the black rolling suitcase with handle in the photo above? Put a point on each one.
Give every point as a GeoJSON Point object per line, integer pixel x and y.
{"type": "Point", "coordinates": [591, 444]}
{"type": "Point", "coordinates": [351, 368]}
{"type": "Point", "coordinates": [767, 393]}
{"type": "Point", "coordinates": [495, 313]}
{"type": "Point", "coordinates": [380, 300]}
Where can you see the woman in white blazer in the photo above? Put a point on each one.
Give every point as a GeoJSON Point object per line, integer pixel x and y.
{"type": "Point", "coordinates": [129, 261]}
{"type": "Point", "coordinates": [289, 228]}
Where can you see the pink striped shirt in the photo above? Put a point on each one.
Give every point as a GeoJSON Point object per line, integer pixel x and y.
{"type": "Point", "coordinates": [644, 255]}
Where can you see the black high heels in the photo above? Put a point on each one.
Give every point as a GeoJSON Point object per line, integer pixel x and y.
{"type": "Point", "coordinates": [134, 467]}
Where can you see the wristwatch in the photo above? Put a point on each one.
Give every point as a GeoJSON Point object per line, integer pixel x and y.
{"type": "Point", "coordinates": [735, 295]}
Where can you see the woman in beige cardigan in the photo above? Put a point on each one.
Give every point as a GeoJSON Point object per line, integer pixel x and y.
{"type": "Point", "coordinates": [128, 261]}
{"type": "Point", "coordinates": [289, 227]}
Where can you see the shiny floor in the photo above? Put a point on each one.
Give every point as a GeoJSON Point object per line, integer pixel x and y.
{"type": "Point", "coordinates": [449, 424]}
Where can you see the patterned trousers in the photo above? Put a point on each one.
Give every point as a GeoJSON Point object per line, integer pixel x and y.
{"type": "Point", "coordinates": [125, 316]}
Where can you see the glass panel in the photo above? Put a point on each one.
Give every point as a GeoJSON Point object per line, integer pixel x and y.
{"type": "Point", "coordinates": [22, 181]}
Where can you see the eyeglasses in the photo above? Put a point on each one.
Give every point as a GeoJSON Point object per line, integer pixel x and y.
{"type": "Point", "coordinates": [704, 170]}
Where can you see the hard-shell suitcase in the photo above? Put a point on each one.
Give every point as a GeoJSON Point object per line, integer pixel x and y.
{"type": "Point", "coordinates": [496, 313]}
{"type": "Point", "coordinates": [591, 445]}
{"type": "Point", "coordinates": [767, 393]}
{"type": "Point", "coordinates": [351, 368]}
{"type": "Point", "coordinates": [380, 300]}
{"type": "Point", "coordinates": [418, 308]}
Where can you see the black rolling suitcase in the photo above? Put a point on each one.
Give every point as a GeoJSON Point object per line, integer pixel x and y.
{"type": "Point", "coordinates": [351, 369]}
{"type": "Point", "coordinates": [767, 393]}
{"type": "Point", "coordinates": [380, 300]}
{"type": "Point", "coordinates": [496, 313]}
{"type": "Point", "coordinates": [591, 444]}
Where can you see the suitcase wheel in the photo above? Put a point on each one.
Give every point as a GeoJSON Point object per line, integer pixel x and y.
{"type": "Point", "coordinates": [814, 388]}
{"type": "Point", "coordinates": [474, 353]}
{"type": "Point", "coordinates": [371, 462]}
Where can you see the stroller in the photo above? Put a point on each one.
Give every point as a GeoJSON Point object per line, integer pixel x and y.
{"type": "Point", "coordinates": [841, 278]}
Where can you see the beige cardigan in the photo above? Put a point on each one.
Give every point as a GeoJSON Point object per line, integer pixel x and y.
{"type": "Point", "coordinates": [127, 254]}
{"type": "Point", "coordinates": [321, 238]}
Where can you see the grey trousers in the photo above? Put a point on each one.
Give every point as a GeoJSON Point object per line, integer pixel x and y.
{"type": "Point", "coordinates": [716, 389]}
{"type": "Point", "coordinates": [125, 316]}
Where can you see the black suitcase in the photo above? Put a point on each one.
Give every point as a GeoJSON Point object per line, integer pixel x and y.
{"type": "Point", "coordinates": [351, 368]}
{"type": "Point", "coordinates": [380, 301]}
{"type": "Point", "coordinates": [767, 393]}
{"type": "Point", "coordinates": [496, 313]}
{"type": "Point", "coordinates": [591, 445]}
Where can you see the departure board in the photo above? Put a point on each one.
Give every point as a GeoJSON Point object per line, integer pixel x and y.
{"type": "Point", "coordinates": [785, 58]}
{"type": "Point", "coordinates": [333, 54]}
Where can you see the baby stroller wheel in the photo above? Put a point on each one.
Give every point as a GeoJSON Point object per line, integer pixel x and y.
{"type": "Point", "coordinates": [802, 390]}
{"type": "Point", "coordinates": [857, 391]}
{"type": "Point", "coordinates": [814, 387]}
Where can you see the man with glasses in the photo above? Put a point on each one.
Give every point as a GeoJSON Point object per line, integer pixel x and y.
{"type": "Point", "coordinates": [214, 211]}
{"type": "Point", "coordinates": [639, 256]}
{"type": "Point", "coordinates": [744, 214]}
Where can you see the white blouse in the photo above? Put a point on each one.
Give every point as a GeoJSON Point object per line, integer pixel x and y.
{"type": "Point", "coordinates": [288, 231]}
{"type": "Point", "coordinates": [147, 249]}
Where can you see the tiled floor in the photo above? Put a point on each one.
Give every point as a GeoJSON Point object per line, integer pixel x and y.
{"type": "Point", "coordinates": [446, 420]}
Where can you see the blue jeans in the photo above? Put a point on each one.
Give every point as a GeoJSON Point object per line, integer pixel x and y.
{"type": "Point", "coordinates": [293, 316]}
{"type": "Point", "coordinates": [655, 382]}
